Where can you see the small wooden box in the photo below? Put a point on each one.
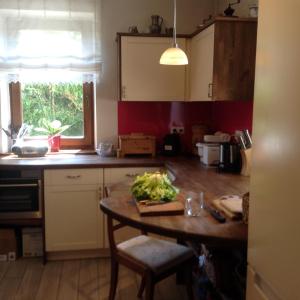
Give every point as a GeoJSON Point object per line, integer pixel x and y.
{"type": "Point", "coordinates": [136, 144]}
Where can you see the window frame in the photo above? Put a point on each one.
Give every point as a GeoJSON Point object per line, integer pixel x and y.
{"type": "Point", "coordinates": [85, 143]}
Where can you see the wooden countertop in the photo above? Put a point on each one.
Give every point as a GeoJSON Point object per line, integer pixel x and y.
{"type": "Point", "coordinates": [190, 174]}
{"type": "Point", "coordinates": [60, 161]}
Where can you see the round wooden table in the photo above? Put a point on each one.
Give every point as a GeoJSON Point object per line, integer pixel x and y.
{"type": "Point", "coordinates": [204, 229]}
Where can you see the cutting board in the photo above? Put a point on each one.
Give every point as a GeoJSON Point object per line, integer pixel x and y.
{"type": "Point", "coordinates": [228, 213]}
{"type": "Point", "coordinates": [166, 209]}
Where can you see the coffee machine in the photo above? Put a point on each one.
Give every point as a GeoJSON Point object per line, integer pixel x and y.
{"type": "Point", "coordinates": [172, 144]}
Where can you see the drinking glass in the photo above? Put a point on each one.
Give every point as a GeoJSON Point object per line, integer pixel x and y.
{"type": "Point", "coordinates": [194, 204]}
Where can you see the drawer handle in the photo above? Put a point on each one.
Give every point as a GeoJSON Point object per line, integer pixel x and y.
{"type": "Point", "coordinates": [73, 176]}
{"type": "Point", "coordinates": [131, 175]}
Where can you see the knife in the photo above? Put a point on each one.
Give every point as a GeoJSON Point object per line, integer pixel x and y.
{"type": "Point", "coordinates": [215, 214]}
{"type": "Point", "coordinates": [247, 138]}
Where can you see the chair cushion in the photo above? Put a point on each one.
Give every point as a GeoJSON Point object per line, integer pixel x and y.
{"type": "Point", "coordinates": [158, 255]}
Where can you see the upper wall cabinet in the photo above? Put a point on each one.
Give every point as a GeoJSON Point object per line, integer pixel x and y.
{"type": "Point", "coordinates": [222, 60]}
{"type": "Point", "coordinates": [201, 64]}
{"type": "Point", "coordinates": [142, 77]}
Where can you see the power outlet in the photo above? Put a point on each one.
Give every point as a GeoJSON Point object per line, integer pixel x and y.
{"type": "Point", "coordinates": [177, 129]}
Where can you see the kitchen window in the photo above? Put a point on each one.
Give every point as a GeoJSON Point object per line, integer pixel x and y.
{"type": "Point", "coordinates": [70, 103]}
{"type": "Point", "coordinates": [50, 58]}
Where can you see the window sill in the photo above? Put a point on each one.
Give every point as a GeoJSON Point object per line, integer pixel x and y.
{"type": "Point", "coordinates": [63, 152]}
{"type": "Point", "coordinates": [73, 151]}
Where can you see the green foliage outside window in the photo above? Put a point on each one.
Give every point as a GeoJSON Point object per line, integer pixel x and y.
{"type": "Point", "coordinates": [63, 102]}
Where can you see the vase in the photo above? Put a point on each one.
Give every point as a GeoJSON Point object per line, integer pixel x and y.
{"type": "Point", "coordinates": [155, 26]}
{"type": "Point", "coordinates": [54, 143]}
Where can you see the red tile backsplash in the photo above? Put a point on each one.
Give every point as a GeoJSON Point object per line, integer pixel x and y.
{"type": "Point", "coordinates": [229, 116]}
{"type": "Point", "coordinates": [156, 118]}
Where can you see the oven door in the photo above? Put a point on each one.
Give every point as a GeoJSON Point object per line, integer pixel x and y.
{"type": "Point", "coordinates": [20, 199]}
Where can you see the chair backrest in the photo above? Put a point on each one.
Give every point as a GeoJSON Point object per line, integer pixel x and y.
{"type": "Point", "coordinates": [115, 190]}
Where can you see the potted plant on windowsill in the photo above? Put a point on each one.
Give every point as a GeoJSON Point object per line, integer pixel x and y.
{"type": "Point", "coordinates": [53, 130]}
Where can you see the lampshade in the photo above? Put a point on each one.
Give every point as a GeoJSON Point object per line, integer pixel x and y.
{"type": "Point", "coordinates": [174, 56]}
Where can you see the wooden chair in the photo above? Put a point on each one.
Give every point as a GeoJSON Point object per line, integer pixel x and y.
{"type": "Point", "coordinates": [152, 258]}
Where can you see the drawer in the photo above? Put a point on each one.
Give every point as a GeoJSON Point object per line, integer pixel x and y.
{"type": "Point", "coordinates": [146, 144]}
{"type": "Point", "coordinates": [115, 175]}
{"type": "Point", "coordinates": [73, 176]}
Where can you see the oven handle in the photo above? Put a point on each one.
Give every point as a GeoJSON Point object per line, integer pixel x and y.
{"type": "Point", "coordinates": [19, 185]}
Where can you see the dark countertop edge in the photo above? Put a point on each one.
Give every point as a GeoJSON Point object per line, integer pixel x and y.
{"type": "Point", "coordinates": [106, 165]}
{"type": "Point", "coordinates": [80, 165]}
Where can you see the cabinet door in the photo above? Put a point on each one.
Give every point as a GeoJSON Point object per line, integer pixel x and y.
{"type": "Point", "coordinates": [72, 218]}
{"type": "Point", "coordinates": [201, 67]}
{"type": "Point", "coordinates": [143, 78]}
{"type": "Point", "coordinates": [234, 60]}
{"type": "Point", "coordinates": [119, 181]}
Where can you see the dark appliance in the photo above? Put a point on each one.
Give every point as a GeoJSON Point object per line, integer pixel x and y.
{"type": "Point", "coordinates": [230, 158]}
{"type": "Point", "coordinates": [172, 144]}
{"type": "Point", "coordinates": [20, 195]}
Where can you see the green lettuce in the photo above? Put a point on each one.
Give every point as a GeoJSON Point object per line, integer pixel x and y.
{"type": "Point", "coordinates": [155, 187]}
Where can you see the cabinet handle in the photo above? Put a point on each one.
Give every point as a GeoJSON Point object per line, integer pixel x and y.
{"type": "Point", "coordinates": [210, 90]}
{"type": "Point", "coordinates": [123, 91]}
{"type": "Point", "coordinates": [131, 175]}
{"type": "Point", "coordinates": [73, 176]}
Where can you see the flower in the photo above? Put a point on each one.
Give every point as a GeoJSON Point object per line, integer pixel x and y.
{"type": "Point", "coordinates": [51, 128]}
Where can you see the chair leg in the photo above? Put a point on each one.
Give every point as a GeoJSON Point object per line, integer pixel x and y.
{"type": "Point", "coordinates": [189, 289]}
{"type": "Point", "coordinates": [189, 281]}
{"type": "Point", "coordinates": [113, 278]}
{"type": "Point", "coordinates": [149, 288]}
{"type": "Point", "coordinates": [142, 287]}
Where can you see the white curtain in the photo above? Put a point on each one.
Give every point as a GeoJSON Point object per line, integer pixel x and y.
{"type": "Point", "coordinates": [50, 40]}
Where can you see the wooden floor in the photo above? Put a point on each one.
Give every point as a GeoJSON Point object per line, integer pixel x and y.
{"type": "Point", "coordinates": [88, 279]}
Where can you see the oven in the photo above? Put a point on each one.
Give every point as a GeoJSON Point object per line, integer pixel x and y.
{"type": "Point", "coordinates": [21, 196]}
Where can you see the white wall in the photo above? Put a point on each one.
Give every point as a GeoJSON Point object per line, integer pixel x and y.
{"type": "Point", "coordinates": [241, 10]}
{"type": "Point", "coordinates": [274, 240]}
{"type": "Point", "coordinates": [117, 16]}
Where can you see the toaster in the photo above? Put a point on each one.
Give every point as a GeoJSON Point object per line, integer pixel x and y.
{"type": "Point", "coordinates": [209, 153]}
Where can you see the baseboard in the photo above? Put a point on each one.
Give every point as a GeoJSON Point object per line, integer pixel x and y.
{"type": "Point", "coordinates": [77, 254]}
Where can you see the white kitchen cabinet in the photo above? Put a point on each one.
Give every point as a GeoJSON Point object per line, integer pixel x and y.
{"type": "Point", "coordinates": [73, 220]}
{"type": "Point", "coordinates": [201, 65]}
{"type": "Point", "coordinates": [119, 181]}
{"type": "Point", "coordinates": [142, 77]}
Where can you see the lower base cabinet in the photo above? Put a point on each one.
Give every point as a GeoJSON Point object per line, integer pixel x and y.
{"type": "Point", "coordinates": [72, 218]}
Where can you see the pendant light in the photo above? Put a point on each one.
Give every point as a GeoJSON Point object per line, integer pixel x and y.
{"type": "Point", "coordinates": [174, 55]}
